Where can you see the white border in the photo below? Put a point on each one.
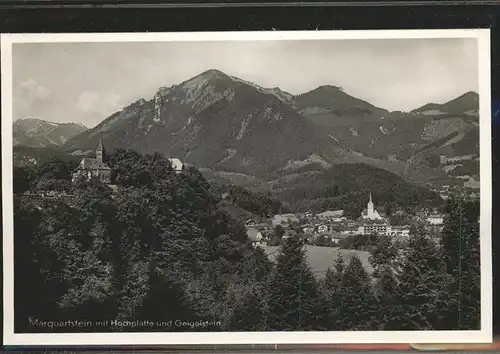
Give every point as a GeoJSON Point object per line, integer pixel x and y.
{"type": "Point", "coordinates": [483, 336]}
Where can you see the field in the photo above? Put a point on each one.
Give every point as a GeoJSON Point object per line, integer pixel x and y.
{"type": "Point", "coordinates": [321, 258]}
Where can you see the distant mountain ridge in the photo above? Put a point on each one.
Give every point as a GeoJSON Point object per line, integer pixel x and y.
{"type": "Point", "coordinates": [379, 133]}
{"type": "Point", "coordinates": [468, 103]}
{"type": "Point", "coordinates": [334, 100]}
{"type": "Point", "coordinates": [39, 133]}
{"type": "Point", "coordinates": [225, 123]}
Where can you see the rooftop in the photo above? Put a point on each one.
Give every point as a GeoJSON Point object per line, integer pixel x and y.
{"type": "Point", "coordinates": [253, 234]}
{"type": "Point", "coordinates": [92, 163]}
{"type": "Point", "coordinates": [177, 164]}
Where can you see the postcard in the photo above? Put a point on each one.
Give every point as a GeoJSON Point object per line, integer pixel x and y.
{"type": "Point", "coordinates": [247, 187]}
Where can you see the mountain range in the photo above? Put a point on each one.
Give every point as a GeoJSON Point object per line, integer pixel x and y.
{"type": "Point", "coordinates": [38, 133]}
{"type": "Point", "coordinates": [223, 123]}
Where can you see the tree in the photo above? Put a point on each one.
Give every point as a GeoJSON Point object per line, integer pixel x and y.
{"type": "Point", "coordinates": [359, 302]}
{"type": "Point", "coordinates": [163, 295]}
{"type": "Point", "coordinates": [423, 286]}
{"type": "Point", "coordinates": [249, 311]}
{"type": "Point", "coordinates": [129, 168]}
{"type": "Point", "coordinates": [278, 234]}
{"type": "Point", "coordinates": [29, 266]}
{"type": "Point", "coordinates": [460, 212]}
{"type": "Point", "coordinates": [434, 160]}
{"type": "Point", "coordinates": [386, 289]}
{"type": "Point", "coordinates": [293, 292]}
{"type": "Point", "coordinates": [56, 168]}
{"type": "Point", "coordinates": [383, 254]}
{"type": "Point", "coordinates": [23, 177]}
{"type": "Point", "coordinates": [256, 265]}
{"type": "Point", "coordinates": [333, 293]}
{"type": "Point", "coordinates": [400, 220]}
{"type": "Point", "coordinates": [321, 240]}
{"type": "Point", "coordinates": [461, 248]}
{"type": "Point", "coordinates": [389, 209]}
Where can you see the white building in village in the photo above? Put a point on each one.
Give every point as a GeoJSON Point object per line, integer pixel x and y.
{"type": "Point", "coordinates": [177, 164]}
{"type": "Point", "coordinates": [435, 219]}
{"type": "Point", "coordinates": [308, 229]}
{"type": "Point", "coordinates": [255, 236]}
{"type": "Point", "coordinates": [322, 228]}
{"type": "Point", "coordinates": [284, 219]}
{"type": "Point", "coordinates": [384, 230]}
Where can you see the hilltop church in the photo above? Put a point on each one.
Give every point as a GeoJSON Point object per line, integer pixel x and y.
{"type": "Point", "coordinates": [94, 167]}
{"type": "Point", "coordinates": [370, 213]}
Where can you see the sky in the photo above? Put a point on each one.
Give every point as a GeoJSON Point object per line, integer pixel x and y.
{"type": "Point", "coordinates": [87, 82]}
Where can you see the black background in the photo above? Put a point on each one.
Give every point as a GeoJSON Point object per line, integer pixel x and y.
{"type": "Point", "coordinates": [53, 16]}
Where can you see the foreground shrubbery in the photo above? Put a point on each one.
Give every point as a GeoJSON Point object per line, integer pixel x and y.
{"type": "Point", "coordinates": [159, 249]}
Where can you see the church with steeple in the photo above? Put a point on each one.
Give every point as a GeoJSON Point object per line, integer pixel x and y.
{"type": "Point", "coordinates": [94, 167]}
{"type": "Point", "coordinates": [370, 213]}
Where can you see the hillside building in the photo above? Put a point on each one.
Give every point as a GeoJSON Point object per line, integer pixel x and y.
{"type": "Point", "coordinates": [94, 167]}
{"type": "Point", "coordinates": [177, 164]}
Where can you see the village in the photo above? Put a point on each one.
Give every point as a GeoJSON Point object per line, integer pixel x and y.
{"type": "Point", "coordinates": [330, 227]}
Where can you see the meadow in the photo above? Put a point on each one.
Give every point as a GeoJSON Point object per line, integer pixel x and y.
{"type": "Point", "coordinates": [321, 258]}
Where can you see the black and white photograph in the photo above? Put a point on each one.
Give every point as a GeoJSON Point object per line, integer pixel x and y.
{"type": "Point", "coordinates": [272, 187]}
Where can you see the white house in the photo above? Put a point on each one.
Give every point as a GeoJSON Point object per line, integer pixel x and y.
{"type": "Point", "coordinates": [398, 231]}
{"type": "Point", "coordinates": [308, 229]}
{"type": "Point", "coordinates": [435, 219]}
{"type": "Point", "coordinates": [322, 228]}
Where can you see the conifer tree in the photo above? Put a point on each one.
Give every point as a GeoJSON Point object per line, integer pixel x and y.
{"type": "Point", "coordinates": [249, 311]}
{"type": "Point", "coordinates": [460, 243]}
{"type": "Point", "coordinates": [31, 259]}
{"type": "Point", "coordinates": [333, 293]}
{"type": "Point", "coordinates": [452, 239]}
{"type": "Point", "coordinates": [293, 292]}
{"type": "Point", "coordinates": [423, 283]}
{"type": "Point", "coordinates": [383, 254]}
{"type": "Point", "coordinates": [386, 289]}
{"type": "Point", "coordinates": [359, 301]}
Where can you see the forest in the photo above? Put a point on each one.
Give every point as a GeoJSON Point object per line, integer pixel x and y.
{"type": "Point", "coordinates": [158, 248]}
{"type": "Point", "coordinates": [347, 186]}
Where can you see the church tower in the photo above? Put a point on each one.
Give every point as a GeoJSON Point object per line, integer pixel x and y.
{"type": "Point", "coordinates": [100, 152]}
{"type": "Point", "coordinates": [370, 208]}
